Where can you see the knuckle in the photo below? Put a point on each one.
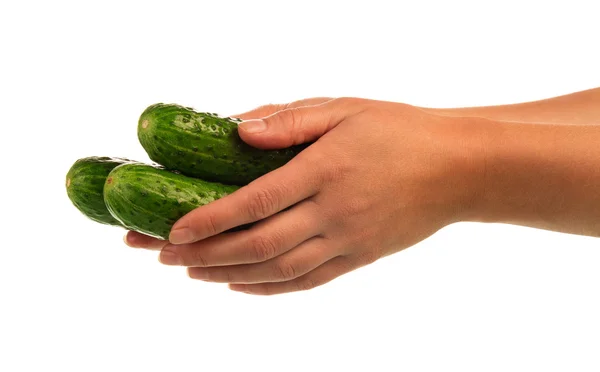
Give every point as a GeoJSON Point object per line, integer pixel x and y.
{"type": "Point", "coordinates": [356, 105]}
{"type": "Point", "coordinates": [290, 116]}
{"type": "Point", "coordinates": [294, 117]}
{"type": "Point", "coordinates": [202, 223]}
{"type": "Point", "coordinates": [347, 101]}
{"type": "Point", "coordinates": [362, 102]}
{"type": "Point", "coordinates": [262, 204]}
{"type": "Point", "coordinates": [263, 247]}
{"type": "Point", "coordinates": [211, 225]}
{"type": "Point", "coordinates": [333, 170]}
{"type": "Point", "coordinates": [318, 162]}
{"type": "Point", "coordinates": [325, 169]}
{"type": "Point", "coordinates": [198, 258]}
{"type": "Point", "coordinates": [355, 206]}
{"type": "Point", "coordinates": [284, 271]}
{"type": "Point", "coordinates": [296, 132]}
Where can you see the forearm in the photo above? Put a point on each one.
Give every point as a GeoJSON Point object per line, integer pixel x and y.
{"type": "Point", "coordinates": [539, 175]}
{"type": "Point", "coordinates": [580, 108]}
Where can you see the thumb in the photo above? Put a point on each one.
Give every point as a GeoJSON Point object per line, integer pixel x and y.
{"type": "Point", "coordinates": [295, 125]}
{"type": "Point", "coordinates": [266, 110]}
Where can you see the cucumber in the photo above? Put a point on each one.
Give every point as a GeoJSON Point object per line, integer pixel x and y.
{"type": "Point", "coordinates": [85, 182]}
{"type": "Point", "coordinates": [205, 145]}
{"type": "Point", "coordinates": [149, 198]}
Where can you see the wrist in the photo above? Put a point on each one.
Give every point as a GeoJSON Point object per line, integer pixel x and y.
{"type": "Point", "coordinates": [462, 141]}
{"type": "Point", "coordinates": [537, 175]}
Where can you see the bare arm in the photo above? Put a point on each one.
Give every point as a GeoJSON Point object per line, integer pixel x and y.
{"type": "Point", "coordinates": [540, 175]}
{"type": "Point", "coordinates": [541, 162]}
{"type": "Point", "coordinates": [579, 108]}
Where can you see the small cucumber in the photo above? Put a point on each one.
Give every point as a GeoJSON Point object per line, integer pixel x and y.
{"type": "Point", "coordinates": [85, 183]}
{"type": "Point", "coordinates": [205, 145]}
{"type": "Point", "coordinates": [149, 199]}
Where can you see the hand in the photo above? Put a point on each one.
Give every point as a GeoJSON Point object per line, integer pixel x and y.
{"type": "Point", "coordinates": [380, 177]}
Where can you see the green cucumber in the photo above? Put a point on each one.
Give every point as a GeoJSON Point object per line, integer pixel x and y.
{"type": "Point", "coordinates": [204, 145]}
{"type": "Point", "coordinates": [149, 199]}
{"type": "Point", "coordinates": [85, 183]}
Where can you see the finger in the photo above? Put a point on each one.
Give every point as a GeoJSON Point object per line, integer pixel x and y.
{"type": "Point", "coordinates": [267, 110]}
{"type": "Point", "coordinates": [263, 197]}
{"type": "Point", "coordinates": [135, 239]}
{"type": "Point", "coordinates": [290, 265]}
{"type": "Point", "coordinates": [266, 240]}
{"type": "Point", "coordinates": [296, 125]}
{"type": "Point", "coordinates": [323, 274]}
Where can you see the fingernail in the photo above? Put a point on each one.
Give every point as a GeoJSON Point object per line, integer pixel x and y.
{"type": "Point", "coordinates": [253, 126]}
{"type": "Point", "coordinates": [170, 258]}
{"type": "Point", "coordinates": [181, 236]}
{"type": "Point", "coordinates": [125, 240]}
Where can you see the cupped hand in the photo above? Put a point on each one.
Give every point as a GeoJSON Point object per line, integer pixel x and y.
{"type": "Point", "coordinates": [379, 177]}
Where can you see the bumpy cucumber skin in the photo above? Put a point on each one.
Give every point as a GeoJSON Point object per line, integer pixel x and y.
{"type": "Point", "coordinates": [85, 184]}
{"type": "Point", "coordinates": [149, 199]}
{"type": "Point", "coordinates": [204, 145]}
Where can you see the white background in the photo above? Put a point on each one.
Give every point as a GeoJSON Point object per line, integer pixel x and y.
{"type": "Point", "coordinates": [74, 78]}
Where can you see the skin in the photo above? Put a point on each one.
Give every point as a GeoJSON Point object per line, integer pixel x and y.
{"type": "Point", "coordinates": [382, 176]}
